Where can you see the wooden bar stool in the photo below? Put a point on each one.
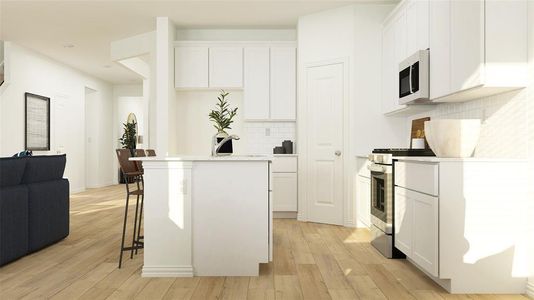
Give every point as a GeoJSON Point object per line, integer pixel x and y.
{"type": "Point", "coordinates": [132, 176]}
{"type": "Point", "coordinates": [150, 152]}
{"type": "Point", "coordinates": [139, 164]}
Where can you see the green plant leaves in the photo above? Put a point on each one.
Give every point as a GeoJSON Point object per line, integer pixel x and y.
{"type": "Point", "coordinates": [128, 140]}
{"type": "Point", "coordinates": [223, 116]}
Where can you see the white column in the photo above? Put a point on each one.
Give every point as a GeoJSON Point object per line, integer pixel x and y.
{"type": "Point", "coordinates": [168, 239]}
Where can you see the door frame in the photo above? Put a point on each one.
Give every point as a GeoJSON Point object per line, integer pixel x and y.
{"type": "Point", "coordinates": [302, 127]}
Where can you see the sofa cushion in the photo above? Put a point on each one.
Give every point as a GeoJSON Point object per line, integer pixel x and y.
{"type": "Point", "coordinates": [44, 168]}
{"type": "Point", "coordinates": [13, 223]}
{"type": "Point", "coordinates": [48, 213]}
{"type": "Point", "coordinates": [11, 170]}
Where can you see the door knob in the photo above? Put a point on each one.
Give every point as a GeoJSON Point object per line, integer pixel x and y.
{"type": "Point", "coordinates": [337, 153]}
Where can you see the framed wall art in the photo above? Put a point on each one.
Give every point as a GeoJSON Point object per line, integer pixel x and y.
{"type": "Point", "coordinates": [37, 119]}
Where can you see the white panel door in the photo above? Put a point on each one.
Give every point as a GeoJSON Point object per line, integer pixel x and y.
{"type": "Point", "coordinates": [257, 87]}
{"type": "Point", "coordinates": [364, 200]}
{"type": "Point", "coordinates": [425, 231]}
{"type": "Point", "coordinates": [439, 49]}
{"type": "Point", "coordinates": [283, 83]}
{"type": "Point", "coordinates": [226, 67]}
{"type": "Point", "coordinates": [285, 192]}
{"type": "Point", "coordinates": [325, 93]}
{"type": "Point", "coordinates": [467, 44]}
{"type": "Point", "coordinates": [191, 67]}
{"type": "Point", "coordinates": [403, 221]}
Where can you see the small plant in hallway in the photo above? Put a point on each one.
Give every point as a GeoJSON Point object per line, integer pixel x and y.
{"type": "Point", "coordinates": [128, 139]}
{"type": "Point", "coordinates": [223, 115]}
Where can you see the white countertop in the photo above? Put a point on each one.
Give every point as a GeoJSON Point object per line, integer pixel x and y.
{"type": "Point", "coordinates": [206, 158]}
{"type": "Point", "coordinates": [455, 159]}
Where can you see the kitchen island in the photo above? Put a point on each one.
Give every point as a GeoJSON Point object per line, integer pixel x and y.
{"type": "Point", "coordinates": [206, 216]}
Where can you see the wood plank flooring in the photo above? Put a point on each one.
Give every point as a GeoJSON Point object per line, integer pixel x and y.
{"type": "Point", "coordinates": [311, 261]}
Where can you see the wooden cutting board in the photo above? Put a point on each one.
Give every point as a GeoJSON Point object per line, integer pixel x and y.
{"type": "Point", "coordinates": [418, 125]}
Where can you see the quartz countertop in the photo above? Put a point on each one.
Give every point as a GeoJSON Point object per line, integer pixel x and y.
{"type": "Point", "coordinates": [206, 158]}
{"type": "Point", "coordinates": [454, 159]}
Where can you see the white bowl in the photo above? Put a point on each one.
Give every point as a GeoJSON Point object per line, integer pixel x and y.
{"type": "Point", "coordinates": [452, 138]}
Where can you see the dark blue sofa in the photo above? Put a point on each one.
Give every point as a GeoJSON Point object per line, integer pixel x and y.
{"type": "Point", "coordinates": [34, 204]}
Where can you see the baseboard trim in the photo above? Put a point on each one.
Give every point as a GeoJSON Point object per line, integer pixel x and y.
{"type": "Point", "coordinates": [284, 214]}
{"type": "Point", "coordinates": [167, 271]}
{"type": "Point", "coordinates": [530, 288]}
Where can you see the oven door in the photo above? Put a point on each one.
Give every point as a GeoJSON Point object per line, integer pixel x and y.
{"type": "Point", "coordinates": [382, 199]}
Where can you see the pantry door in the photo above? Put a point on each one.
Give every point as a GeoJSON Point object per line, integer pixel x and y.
{"type": "Point", "coordinates": [325, 94]}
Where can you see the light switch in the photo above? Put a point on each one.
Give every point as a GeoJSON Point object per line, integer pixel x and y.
{"type": "Point", "coordinates": [267, 131]}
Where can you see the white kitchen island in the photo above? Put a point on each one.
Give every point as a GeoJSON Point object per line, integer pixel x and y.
{"type": "Point", "coordinates": [206, 216]}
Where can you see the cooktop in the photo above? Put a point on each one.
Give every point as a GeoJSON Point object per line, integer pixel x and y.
{"type": "Point", "coordinates": [404, 152]}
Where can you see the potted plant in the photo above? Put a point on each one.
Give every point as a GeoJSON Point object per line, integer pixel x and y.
{"type": "Point", "coordinates": [222, 117]}
{"type": "Point", "coordinates": [128, 139]}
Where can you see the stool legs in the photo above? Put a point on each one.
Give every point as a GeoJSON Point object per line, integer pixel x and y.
{"type": "Point", "coordinates": [124, 229]}
{"type": "Point", "coordinates": [134, 241]}
{"type": "Point", "coordinates": [140, 220]}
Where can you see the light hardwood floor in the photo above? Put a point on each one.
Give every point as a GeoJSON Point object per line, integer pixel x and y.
{"type": "Point", "coordinates": [311, 261]}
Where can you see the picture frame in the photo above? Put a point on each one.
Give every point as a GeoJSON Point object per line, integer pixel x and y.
{"type": "Point", "coordinates": [37, 122]}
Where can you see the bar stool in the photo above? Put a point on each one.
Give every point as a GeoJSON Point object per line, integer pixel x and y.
{"type": "Point", "coordinates": [131, 175]}
{"type": "Point", "coordinates": [139, 165]}
{"type": "Point", "coordinates": [150, 152]}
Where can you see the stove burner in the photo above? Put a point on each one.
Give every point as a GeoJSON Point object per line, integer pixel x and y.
{"type": "Point", "coordinates": [404, 152]}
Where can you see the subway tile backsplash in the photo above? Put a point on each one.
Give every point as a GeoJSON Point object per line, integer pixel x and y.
{"type": "Point", "coordinates": [262, 137]}
{"type": "Point", "coordinates": [504, 122]}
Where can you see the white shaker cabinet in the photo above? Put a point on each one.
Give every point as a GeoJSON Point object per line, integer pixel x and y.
{"type": "Point", "coordinates": [469, 41]}
{"type": "Point", "coordinates": [364, 200]}
{"type": "Point", "coordinates": [457, 218]}
{"type": "Point", "coordinates": [284, 170]}
{"type": "Point", "coordinates": [283, 83]}
{"type": "Point", "coordinates": [256, 83]}
{"type": "Point", "coordinates": [226, 67]}
{"type": "Point", "coordinates": [191, 67]}
{"type": "Point", "coordinates": [417, 22]}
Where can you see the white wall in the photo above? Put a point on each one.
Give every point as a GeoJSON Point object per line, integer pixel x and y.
{"type": "Point", "coordinates": [35, 73]}
{"type": "Point", "coordinates": [352, 33]}
{"type": "Point", "coordinates": [236, 34]}
{"type": "Point", "coordinates": [194, 130]}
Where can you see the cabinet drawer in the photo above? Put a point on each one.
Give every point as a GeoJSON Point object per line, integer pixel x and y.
{"type": "Point", "coordinates": [417, 176]}
{"type": "Point", "coordinates": [284, 164]}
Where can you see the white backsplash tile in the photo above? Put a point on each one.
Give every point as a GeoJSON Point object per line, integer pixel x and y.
{"type": "Point", "coordinates": [504, 119]}
{"type": "Point", "coordinates": [257, 140]}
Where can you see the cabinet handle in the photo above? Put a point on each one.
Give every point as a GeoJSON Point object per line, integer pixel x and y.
{"type": "Point", "coordinates": [337, 153]}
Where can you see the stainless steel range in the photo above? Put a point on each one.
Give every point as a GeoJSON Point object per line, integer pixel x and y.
{"type": "Point", "coordinates": [382, 200]}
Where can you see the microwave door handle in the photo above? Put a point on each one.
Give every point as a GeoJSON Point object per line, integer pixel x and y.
{"type": "Point", "coordinates": [411, 86]}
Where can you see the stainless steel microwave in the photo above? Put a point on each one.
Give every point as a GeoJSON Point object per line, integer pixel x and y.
{"type": "Point", "coordinates": [413, 79]}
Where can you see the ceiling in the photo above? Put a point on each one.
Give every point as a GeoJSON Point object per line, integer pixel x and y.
{"type": "Point", "coordinates": [79, 33]}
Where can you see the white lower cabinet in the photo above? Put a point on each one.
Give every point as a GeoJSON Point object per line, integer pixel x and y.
{"type": "Point", "coordinates": [284, 184]}
{"type": "Point", "coordinates": [403, 221]}
{"type": "Point", "coordinates": [416, 228]}
{"type": "Point", "coordinates": [364, 200]}
{"type": "Point", "coordinates": [285, 191]}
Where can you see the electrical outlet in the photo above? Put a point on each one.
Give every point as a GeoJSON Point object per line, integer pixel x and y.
{"type": "Point", "coordinates": [267, 131]}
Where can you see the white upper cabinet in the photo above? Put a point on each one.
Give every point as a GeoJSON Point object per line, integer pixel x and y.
{"type": "Point", "coordinates": [283, 83]}
{"type": "Point", "coordinates": [191, 67]}
{"type": "Point", "coordinates": [256, 86]}
{"type": "Point", "coordinates": [439, 48]}
{"type": "Point", "coordinates": [477, 48]}
{"type": "Point", "coordinates": [417, 22]}
{"type": "Point", "coordinates": [226, 67]}
{"type": "Point", "coordinates": [404, 32]}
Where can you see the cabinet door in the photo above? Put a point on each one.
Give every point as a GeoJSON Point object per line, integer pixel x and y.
{"type": "Point", "coordinates": [440, 48]}
{"type": "Point", "coordinates": [401, 38]}
{"type": "Point", "coordinates": [425, 231]}
{"type": "Point", "coordinates": [466, 44]}
{"type": "Point", "coordinates": [403, 221]}
{"type": "Point", "coordinates": [283, 83]}
{"type": "Point", "coordinates": [364, 200]}
{"type": "Point", "coordinates": [257, 88]}
{"type": "Point", "coordinates": [284, 191]}
{"type": "Point", "coordinates": [191, 67]}
{"type": "Point", "coordinates": [417, 25]}
{"type": "Point", "coordinates": [226, 67]}
{"type": "Point", "coordinates": [390, 71]}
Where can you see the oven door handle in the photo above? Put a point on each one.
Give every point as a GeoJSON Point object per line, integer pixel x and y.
{"type": "Point", "coordinates": [375, 168]}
